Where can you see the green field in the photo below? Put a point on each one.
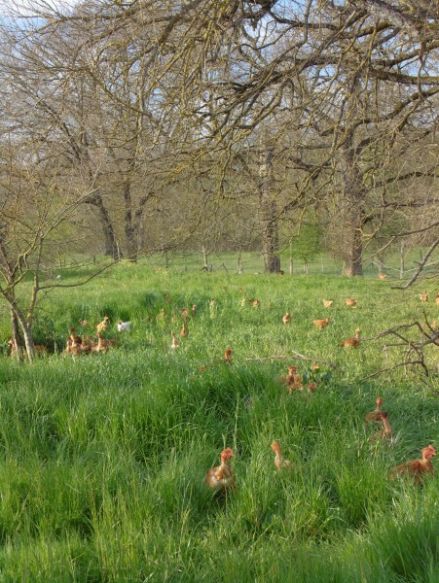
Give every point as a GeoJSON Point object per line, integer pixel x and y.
{"type": "Point", "coordinates": [103, 457]}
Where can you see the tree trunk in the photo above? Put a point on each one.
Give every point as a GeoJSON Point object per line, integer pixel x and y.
{"type": "Point", "coordinates": [28, 342]}
{"type": "Point", "coordinates": [18, 347]}
{"type": "Point", "coordinates": [268, 214]}
{"type": "Point", "coordinates": [25, 329]}
{"type": "Point", "coordinates": [111, 245]}
{"type": "Point", "coordinates": [205, 258]}
{"type": "Point", "coordinates": [239, 265]}
{"type": "Point", "coordinates": [138, 223]}
{"type": "Point", "coordinates": [354, 196]}
{"type": "Point", "coordinates": [130, 231]}
{"type": "Point", "coordinates": [401, 259]}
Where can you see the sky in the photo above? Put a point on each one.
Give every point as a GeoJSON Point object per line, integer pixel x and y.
{"type": "Point", "coordinates": [10, 8]}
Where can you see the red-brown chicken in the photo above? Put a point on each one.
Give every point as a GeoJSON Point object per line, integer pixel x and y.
{"type": "Point", "coordinates": [286, 318]}
{"type": "Point", "coordinates": [102, 345]}
{"type": "Point", "coordinates": [184, 329]}
{"type": "Point", "coordinates": [74, 343]}
{"type": "Point", "coordinates": [375, 414]}
{"type": "Point", "coordinates": [228, 355]}
{"type": "Point", "coordinates": [354, 341]}
{"type": "Point", "coordinates": [386, 431]}
{"type": "Point", "coordinates": [221, 477]}
{"type": "Point", "coordinates": [175, 343]}
{"type": "Point", "coordinates": [102, 326]}
{"type": "Point", "coordinates": [292, 380]}
{"type": "Point", "coordinates": [279, 461]}
{"type": "Point", "coordinates": [416, 468]}
{"type": "Point", "coordinates": [320, 324]}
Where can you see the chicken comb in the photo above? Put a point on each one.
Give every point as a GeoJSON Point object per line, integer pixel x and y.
{"type": "Point", "coordinates": [227, 453]}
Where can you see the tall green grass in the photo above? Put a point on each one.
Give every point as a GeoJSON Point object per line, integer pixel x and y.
{"type": "Point", "coordinates": [103, 457]}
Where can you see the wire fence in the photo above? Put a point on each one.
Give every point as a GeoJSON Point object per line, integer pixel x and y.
{"type": "Point", "coordinates": [322, 264]}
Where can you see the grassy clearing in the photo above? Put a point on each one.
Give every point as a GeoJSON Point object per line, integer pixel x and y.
{"type": "Point", "coordinates": [103, 458]}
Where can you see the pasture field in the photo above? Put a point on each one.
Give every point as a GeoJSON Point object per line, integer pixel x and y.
{"type": "Point", "coordinates": [103, 457]}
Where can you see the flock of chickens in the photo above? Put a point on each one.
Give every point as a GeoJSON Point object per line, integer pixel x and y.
{"type": "Point", "coordinates": [221, 478]}
{"type": "Point", "coordinates": [77, 345]}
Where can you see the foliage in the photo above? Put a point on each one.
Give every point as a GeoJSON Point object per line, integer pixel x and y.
{"type": "Point", "coordinates": [307, 243]}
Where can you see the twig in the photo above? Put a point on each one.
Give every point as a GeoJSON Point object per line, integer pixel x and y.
{"type": "Point", "coordinates": [421, 266]}
{"type": "Point", "coordinates": [399, 365]}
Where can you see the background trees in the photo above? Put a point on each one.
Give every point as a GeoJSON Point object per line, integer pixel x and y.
{"type": "Point", "coordinates": [222, 121]}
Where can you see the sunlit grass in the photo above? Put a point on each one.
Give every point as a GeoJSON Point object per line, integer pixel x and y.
{"type": "Point", "coordinates": [103, 458]}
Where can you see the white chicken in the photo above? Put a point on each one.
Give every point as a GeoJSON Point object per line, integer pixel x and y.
{"type": "Point", "coordinates": [123, 326]}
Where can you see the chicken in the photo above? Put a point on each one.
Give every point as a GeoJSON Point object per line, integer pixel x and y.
{"type": "Point", "coordinates": [194, 309]}
{"type": "Point", "coordinates": [74, 337]}
{"type": "Point", "coordinates": [416, 468]}
{"type": "Point", "coordinates": [376, 413]}
{"type": "Point", "coordinates": [185, 313]}
{"type": "Point", "coordinates": [255, 303]}
{"type": "Point", "coordinates": [175, 342]}
{"type": "Point", "coordinates": [386, 431]}
{"type": "Point", "coordinates": [286, 318]}
{"type": "Point", "coordinates": [102, 326]}
{"type": "Point", "coordinates": [184, 329]}
{"type": "Point", "coordinates": [351, 302]}
{"type": "Point", "coordinates": [328, 303]}
{"type": "Point", "coordinates": [123, 326]}
{"type": "Point", "coordinates": [74, 343]}
{"type": "Point", "coordinates": [312, 387]}
{"type": "Point", "coordinates": [280, 462]}
{"type": "Point", "coordinates": [320, 324]}
{"type": "Point", "coordinates": [293, 380]}
{"type": "Point", "coordinates": [228, 355]}
{"type": "Point", "coordinates": [14, 350]}
{"type": "Point", "coordinates": [86, 345]}
{"type": "Point", "coordinates": [423, 296]}
{"type": "Point", "coordinates": [102, 345]}
{"type": "Point", "coordinates": [354, 341]}
{"type": "Point", "coordinates": [315, 367]}
{"type": "Point", "coordinates": [382, 276]}
{"type": "Point", "coordinates": [220, 478]}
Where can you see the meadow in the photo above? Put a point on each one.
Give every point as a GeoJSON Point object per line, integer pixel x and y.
{"type": "Point", "coordinates": [103, 457]}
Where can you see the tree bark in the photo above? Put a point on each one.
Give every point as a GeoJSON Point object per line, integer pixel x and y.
{"type": "Point", "coordinates": [130, 230]}
{"type": "Point", "coordinates": [354, 198]}
{"type": "Point", "coordinates": [268, 214]}
{"type": "Point", "coordinates": [111, 245]}
{"type": "Point", "coordinates": [28, 341]}
{"type": "Point", "coordinates": [401, 259]}
{"type": "Point", "coordinates": [24, 327]}
{"type": "Point", "coordinates": [17, 339]}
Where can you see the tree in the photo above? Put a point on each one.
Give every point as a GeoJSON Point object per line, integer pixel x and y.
{"type": "Point", "coordinates": [306, 245]}
{"type": "Point", "coordinates": [343, 82]}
